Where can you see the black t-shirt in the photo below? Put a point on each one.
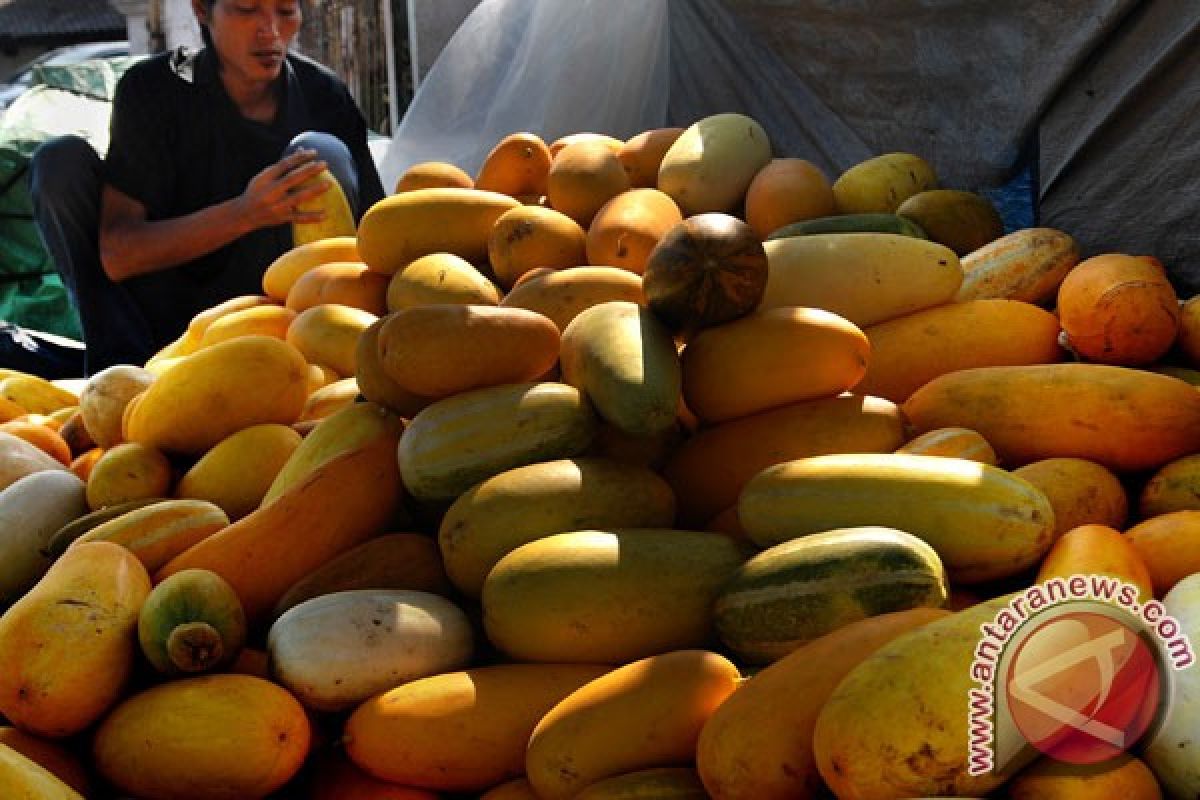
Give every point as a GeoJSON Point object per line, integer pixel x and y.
{"type": "Point", "coordinates": [179, 144]}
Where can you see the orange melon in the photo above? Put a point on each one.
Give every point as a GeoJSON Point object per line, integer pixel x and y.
{"type": "Point", "coordinates": [787, 190]}
{"type": "Point", "coordinates": [343, 282]}
{"type": "Point", "coordinates": [1119, 309]}
{"type": "Point", "coordinates": [517, 165]}
{"type": "Point", "coordinates": [642, 155]}
{"type": "Point", "coordinates": [433, 175]}
{"type": "Point", "coordinates": [583, 177]}
{"type": "Point", "coordinates": [628, 227]}
{"type": "Point", "coordinates": [527, 237]}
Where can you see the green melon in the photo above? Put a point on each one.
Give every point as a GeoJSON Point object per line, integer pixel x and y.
{"type": "Point", "coordinates": [466, 438]}
{"type": "Point", "coordinates": [805, 588]}
{"type": "Point", "coordinates": [625, 361]}
{"type": "Point", "coordinates": [192, 622]}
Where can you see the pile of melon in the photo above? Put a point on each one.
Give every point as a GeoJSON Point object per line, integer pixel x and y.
{"type": "Point", "coordinates": [659, 468]}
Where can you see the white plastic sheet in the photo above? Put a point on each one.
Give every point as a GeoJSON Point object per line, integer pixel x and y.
{"type": "Point", "coordinates": [1100, 95]}
{"type": "Point", "coordinates": [546, 66]}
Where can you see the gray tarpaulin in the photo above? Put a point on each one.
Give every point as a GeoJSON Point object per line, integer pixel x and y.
{"type": "Point", "coordinates": [1102, 93]}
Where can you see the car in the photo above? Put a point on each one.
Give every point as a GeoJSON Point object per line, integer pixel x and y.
{"type": "Point", "coordinates": [19, 81]}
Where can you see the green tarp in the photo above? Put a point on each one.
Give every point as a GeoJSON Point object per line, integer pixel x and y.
{"type": "Point", "coordinates": [74, 99]}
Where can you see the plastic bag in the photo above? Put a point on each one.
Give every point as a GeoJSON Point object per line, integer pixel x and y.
{"type": "Point", "coordinates": [545, 66]}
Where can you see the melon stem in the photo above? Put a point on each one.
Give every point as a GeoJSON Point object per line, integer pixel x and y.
{"type": "Point", "coordinates": [194, 646]}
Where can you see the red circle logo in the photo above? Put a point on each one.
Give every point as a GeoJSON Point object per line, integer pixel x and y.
{"type": "Point", "coordinates": [1083, 687]}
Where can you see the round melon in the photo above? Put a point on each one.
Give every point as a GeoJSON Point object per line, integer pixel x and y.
{"type": "Point", "coordinates": [1119, 309]}
{"type": "Point", "coordinates": [963, 221]}
{"type": "Point", "coordinates": [787, 190]}
{"type": "Point", "coordinates": [708, 269]}
{"type": "Point", "coordinates": [583, 177]}
{"type": "Point", "coordinates": [191, 622]}
{"type": "Point", "coordinates": [527, 237]}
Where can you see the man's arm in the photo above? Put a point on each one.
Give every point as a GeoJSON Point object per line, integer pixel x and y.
{"type": "Point", "coordinates": [132, 245]}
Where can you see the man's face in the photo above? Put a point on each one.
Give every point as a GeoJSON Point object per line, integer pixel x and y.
{"type": "Point", "coordinates": [252, 36]}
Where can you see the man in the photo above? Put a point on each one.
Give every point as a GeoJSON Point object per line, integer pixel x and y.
{"type": "Point", "coordinates": [193, 200]}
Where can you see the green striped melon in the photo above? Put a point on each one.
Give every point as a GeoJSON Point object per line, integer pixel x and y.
{"type": "Point", "coordinates": [805, 588]}
{"type": "Point", "coordinates": [461, 440]}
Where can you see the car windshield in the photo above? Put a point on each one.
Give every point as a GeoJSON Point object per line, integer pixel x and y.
{"type": "Point", "coordinates": [73, 54]}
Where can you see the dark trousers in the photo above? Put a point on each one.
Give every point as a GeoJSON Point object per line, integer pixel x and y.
{"type": "Point", "coordinates": [66, 178]}
{"type": "Point", "coordinates": [37, 353]}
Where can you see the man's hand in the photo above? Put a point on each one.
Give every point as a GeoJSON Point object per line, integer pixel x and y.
{"type": "Point", "coordinates": [130, 245]}
{"type": "Point", "coordinates": [275, 195]}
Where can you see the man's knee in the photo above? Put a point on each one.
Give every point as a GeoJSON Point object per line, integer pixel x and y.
{"type": "Point", "coordinates": [61, 166]}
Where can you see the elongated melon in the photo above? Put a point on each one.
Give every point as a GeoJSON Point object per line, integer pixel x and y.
{"type": "Point", "coordinates": [709, 470]}
{"type": "Point", "coordinates": [626, 362]}
{"type": "Point", "coordinates": [1081, 492]}
{"type": "Point", "coordinates": [880, 184]}
{"type": "Point", "coordinates": [909, 351]}
{"type": "Point", "coordinates": [562, 294]}
{"type": "Point", "coordinates": [209, 737]}
{"type": "Point", "coordinates": [1124, 419]}
{"type": "Point", "coordinates": [983, 522]}
{"type": "Point", "coordinates": [897, 724]}
{"type": "Point", "coordinates": [221, 389]}
{"type": "Point", "coordinates": [66, 647]}
{"type": "Point", "coordinates": [455, 443]}
{"type": "Point", "coordinates": [527, 503]}
{"type": "Point", "coordinates": [752, 364]}
{"type": "Point", "coordinates": [158, 532]}
{"type": "Point", "coordinates": [396, 635]}
{"type": "Point", "coordinates": [399, 229]}
{"type": "Point", "coordinates": [1027, 265]}
{"type": "Point", "coordinates": [460, 731]}
{"type": "Point", "coordinates": [800, 590]}
{"type": "Point", "coordinates": [952, 443]}
{"type": "Point", "coordinates": [607, 597]}
{"type": "Point", "coordinates": [439, 350]}
{"type": "Point", "coordinates": [642, 715]}
{"type": "Point", "coordinates": [865, 277]}
{"type": "Point", "coordinates": [32, 511]}
{"type": "Point", "coordinates": [710, 166]}
{"type": "Point", "coordinates": [758, 744]}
